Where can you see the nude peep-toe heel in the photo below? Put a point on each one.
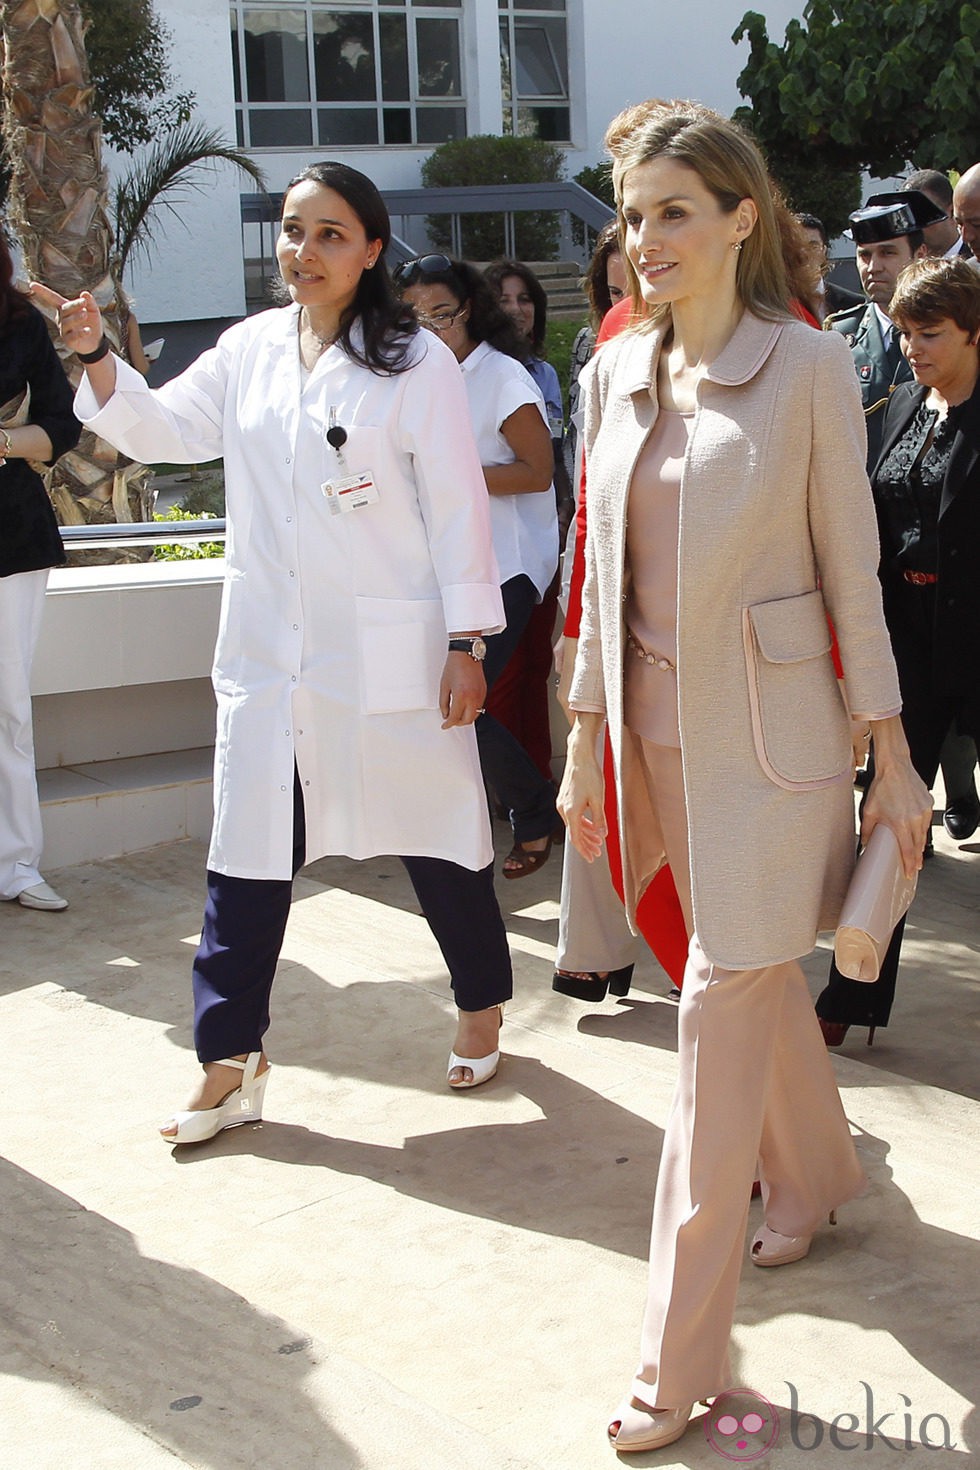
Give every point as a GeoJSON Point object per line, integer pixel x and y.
{"type": "Point", "coordinates": [769, 1248]}
{"type": "Point", "coordinates": [482, 1068]}
{"type": "Point", "coordinates": [635, 1427]}
{"type": "Point", "coordinates": [242, 1105]}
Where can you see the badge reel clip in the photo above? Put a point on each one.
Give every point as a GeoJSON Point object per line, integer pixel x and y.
{"type": "Point", "coordinates": [346, 491]}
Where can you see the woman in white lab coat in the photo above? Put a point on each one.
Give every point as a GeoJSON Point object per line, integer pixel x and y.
{"type": "Point", "coordinates": [360, 580]}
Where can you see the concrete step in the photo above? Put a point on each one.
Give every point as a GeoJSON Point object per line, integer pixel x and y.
{"type": "Point", "coordinates": [105, 809]}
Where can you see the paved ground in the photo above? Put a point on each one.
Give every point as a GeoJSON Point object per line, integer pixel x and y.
{"type": "Point", "coordinates": [388, 1276]}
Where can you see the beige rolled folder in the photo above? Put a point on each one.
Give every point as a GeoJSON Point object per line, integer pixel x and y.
{"type": "Point", "coordinates": [878, 896]}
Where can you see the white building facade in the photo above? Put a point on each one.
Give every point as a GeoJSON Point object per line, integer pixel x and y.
{"type": "Point", "coordinates": [379, 83]}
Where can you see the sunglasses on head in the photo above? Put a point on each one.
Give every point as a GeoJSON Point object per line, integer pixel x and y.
{"type": "Point", "coordinates": [423, 265]}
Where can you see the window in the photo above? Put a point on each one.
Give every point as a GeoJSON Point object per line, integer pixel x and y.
{"type": "Point", "coordinates": [534, 69]}
{"type": "Point", "coordinates": [364, 72]}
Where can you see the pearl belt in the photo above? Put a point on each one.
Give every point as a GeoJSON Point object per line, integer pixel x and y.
{"type": "Point", "coordinates": [657, 661]}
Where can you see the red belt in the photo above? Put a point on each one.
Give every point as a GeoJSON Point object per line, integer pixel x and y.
{"type": "Point", "coordinates": [920, 579]}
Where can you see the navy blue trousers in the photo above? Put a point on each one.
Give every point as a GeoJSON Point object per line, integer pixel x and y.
{"type": "Point", "coordinates": [245, 923]}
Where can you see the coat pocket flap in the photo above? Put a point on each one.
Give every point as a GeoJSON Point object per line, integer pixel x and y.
{"type": "Point", "coordinates": [791, 629]}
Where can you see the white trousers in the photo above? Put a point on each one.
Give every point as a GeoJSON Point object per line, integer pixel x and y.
{"type": "Point", "coordinates": [593, 933]}
{"type": "Point", "coordinates": [21, 839]}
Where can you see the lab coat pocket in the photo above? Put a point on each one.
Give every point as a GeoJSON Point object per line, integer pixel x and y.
{"type": "Point", "coordinates": [799, 723]}
{"type": "Point", "coordinates": [402, 645]}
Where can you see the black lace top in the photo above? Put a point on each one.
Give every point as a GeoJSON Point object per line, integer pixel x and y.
{"type": "Point", "coordinates": [908, 486]}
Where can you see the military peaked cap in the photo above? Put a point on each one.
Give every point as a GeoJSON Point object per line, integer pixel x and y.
{"type": "Point", "coordinates": [890, 216]}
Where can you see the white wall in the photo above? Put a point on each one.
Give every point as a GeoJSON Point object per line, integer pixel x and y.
{"type": "Point", "coordinates": [634, 49]}
{"type": "Point", "coordinates": [195, 268]}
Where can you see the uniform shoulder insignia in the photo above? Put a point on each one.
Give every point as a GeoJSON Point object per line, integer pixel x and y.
{"type": "Point", "coordinates": [836, 319]}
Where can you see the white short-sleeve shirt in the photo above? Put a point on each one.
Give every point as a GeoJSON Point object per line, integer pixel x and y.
{"type": "Point", "coordinates": [525, 527]}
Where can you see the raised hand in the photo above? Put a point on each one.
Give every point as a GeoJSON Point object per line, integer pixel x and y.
{"type": "Point", "coordinates": [79, 321]}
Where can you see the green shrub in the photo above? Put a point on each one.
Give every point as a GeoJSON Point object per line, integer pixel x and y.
{"type": "Point", "coordinates": [186, 551]}
{"type": "Point", "coordinates": [487, 159]}
{"type": "Point", "coordinates": [558, 343]}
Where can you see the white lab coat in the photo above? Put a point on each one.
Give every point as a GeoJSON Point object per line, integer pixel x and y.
{"type": "Point", "coordinates": [332, 637]}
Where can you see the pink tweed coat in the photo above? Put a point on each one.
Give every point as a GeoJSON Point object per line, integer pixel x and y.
{"type": "Point", "coordinates": [776, 524]}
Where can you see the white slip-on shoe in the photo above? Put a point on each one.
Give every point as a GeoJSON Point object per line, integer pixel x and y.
{"type": "Point", "coordinates": [42, 896]}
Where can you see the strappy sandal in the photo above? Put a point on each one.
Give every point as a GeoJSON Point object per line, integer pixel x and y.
{"type": "Point", "coordinates": [590, 985]}
{"type": "Point", "coordinates": [530, 860]}
{"type": "Point", "coordinates": [242, 1105]}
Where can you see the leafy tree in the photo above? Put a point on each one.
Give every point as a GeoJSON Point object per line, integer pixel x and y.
{"type": "Point", "coordinates": [59, 211]}
{"type": "Point", "coordinates": [488, 159]}
{"type": "Point", "coordinates": [128, 53]}
{"type": "Point", "coordinates": [862, 84]}
{"type": "Point", "coordinates": [597, 178]}
{"type": "Point", "coordinates": [179, 161]}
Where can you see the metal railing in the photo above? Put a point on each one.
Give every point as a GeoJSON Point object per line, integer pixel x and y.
{"type": "Point", "coordinates": [141, 533]}
{"type": "Point", "coordinates": [581, 214]}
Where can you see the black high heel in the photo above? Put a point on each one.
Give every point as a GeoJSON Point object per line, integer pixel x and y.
{"type": "Point", "coordinates": [595, 986]}
{"type": "Point", "coordinates": [834, 1032]}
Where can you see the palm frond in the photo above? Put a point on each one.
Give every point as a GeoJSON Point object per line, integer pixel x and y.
{"type": "Point", "coordinates": [164, 175]}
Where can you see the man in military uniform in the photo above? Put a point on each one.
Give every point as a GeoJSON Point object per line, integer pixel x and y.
{"type": "Point", "coordinates": [942, 238]}
{"type": "Point", "coordinates": [887, 235]}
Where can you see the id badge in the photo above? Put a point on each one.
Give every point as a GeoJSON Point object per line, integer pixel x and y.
{"type": "Point", "coordinates": [350, 492]}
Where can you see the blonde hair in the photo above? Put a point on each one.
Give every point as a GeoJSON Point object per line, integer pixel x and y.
{"type": "Point", "coordinates": [731, 168]}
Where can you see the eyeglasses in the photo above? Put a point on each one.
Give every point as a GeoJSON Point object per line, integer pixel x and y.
{"type": "Point", "coordinates": [442, 320]}
{"type": "Point", "coordinates": [423, 265]}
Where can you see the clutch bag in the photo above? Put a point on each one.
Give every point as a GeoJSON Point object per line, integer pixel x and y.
{"type": "Point", "coordinates": [878, 896]}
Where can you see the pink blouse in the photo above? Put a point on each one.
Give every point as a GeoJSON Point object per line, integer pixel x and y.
{"type": "Point", "coordinates": [652, 528]}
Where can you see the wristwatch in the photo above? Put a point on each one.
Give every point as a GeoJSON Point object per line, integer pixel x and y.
{"type": "Point", "coordinates": [475, 647]}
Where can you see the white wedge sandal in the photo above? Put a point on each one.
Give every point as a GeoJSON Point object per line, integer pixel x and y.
{"type": "Point", "coordinates": [242, 1105]}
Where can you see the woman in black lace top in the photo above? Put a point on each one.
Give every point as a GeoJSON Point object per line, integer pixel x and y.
{"type": "Point", "coordinates": [927, 493]}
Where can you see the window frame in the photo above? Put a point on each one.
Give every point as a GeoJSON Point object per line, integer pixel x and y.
{"type": "Point", "coordinates": [517, 15]}
{"type": "Point", "coordinates": [416, 105]}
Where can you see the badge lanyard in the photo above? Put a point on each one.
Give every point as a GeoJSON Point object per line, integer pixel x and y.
{"type": "Point", "coordinates": [346, 491]}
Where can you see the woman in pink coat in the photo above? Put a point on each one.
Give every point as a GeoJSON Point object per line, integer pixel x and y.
{"type": "Point", "coordinates": [728, 513]}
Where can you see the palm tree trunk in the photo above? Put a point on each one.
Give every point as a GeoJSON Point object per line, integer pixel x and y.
{"type": "Point", "coordinates": [57, 206]}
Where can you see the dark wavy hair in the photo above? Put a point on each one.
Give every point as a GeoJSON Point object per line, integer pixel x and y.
{"type": "Point", "coordinates": [487, 321]}
{"type": "Point", "coordinates": [497, 272]}
{"type": "Point", "coordinates": [385, 323]}
{"type": "Point", "coordinates": [595, 282]}
{"type": "Point", "coordinates": [13, 303]}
